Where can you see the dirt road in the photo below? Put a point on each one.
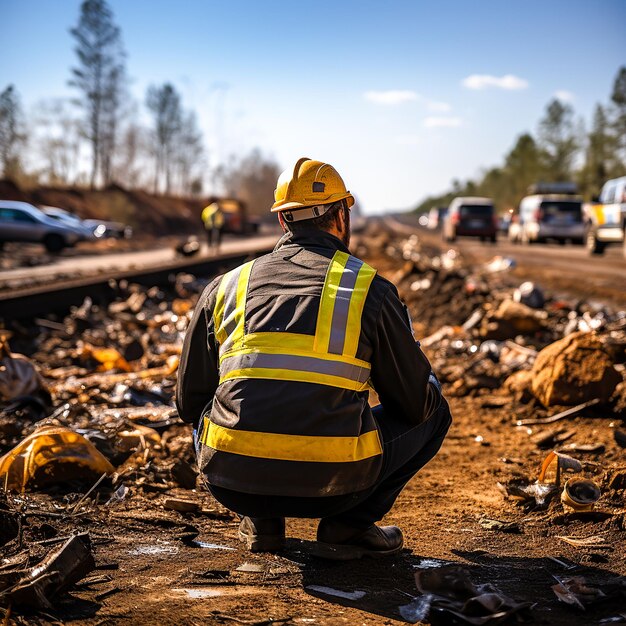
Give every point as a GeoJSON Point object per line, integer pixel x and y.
{"type": "Point", "coordinates": [568, 269]}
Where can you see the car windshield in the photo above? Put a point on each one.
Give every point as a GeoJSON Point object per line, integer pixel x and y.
{"type": "Point", "coordinates": [570, 211]}
{"type": "Point", "coordinates": [63, 217]}
{"type": "Point", "coordinates": [477, 210]}
{"type": "Point", "coordinates": [552, 208]}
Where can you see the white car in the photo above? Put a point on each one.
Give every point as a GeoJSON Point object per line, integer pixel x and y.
{"type": "Point", "coordinates": [20, 221]}
{"type": "Point", "coordinates": [88, 234]}
{"type": "Point", "coordinates": [551, 216]}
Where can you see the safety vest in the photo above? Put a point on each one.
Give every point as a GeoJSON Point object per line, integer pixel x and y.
{"type": "Point", "coordinates": [212, 216]}
{"type": "Point", "coordinates": [326, 358]}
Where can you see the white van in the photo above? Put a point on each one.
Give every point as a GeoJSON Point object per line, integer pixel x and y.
{"type": "Point", "coordinates": [551, 216]}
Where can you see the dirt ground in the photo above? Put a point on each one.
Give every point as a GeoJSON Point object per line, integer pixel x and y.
{"type": "Point", "coordinates": [155, 565]}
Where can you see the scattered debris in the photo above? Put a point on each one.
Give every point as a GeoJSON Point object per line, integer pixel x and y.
{"type": "Point", "coordinates": [576, 592]}
{"type": "Point", "coordinates": [448, 595]}
{"type": "Point", "coordinates": [594, 541]}
{"type": "Point", "coordinates": [56, 573]}
{"type": "Point", "coordinates": [18, 374]}
{"type": "Point", "coordinates": [580, 494]}
{"type": "Point", "coordinates": [337, 593]}
{"type": "Point", "coordinates": [505, 527]}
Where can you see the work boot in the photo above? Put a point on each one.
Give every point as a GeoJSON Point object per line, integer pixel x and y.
{"type": "Point", "coordinates": [263, 534]}
{"type": "Point", "coordinates": [339, 542]}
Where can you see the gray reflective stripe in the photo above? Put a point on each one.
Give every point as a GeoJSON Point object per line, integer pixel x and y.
{"type": "Point", "coordinates": [293, 362]}
{"type": "Point", "coordinates": [342, 305]}
{"type": "Point", "coordinates": [230, 304]}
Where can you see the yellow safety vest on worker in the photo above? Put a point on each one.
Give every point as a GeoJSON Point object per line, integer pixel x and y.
{"type": "Point", "coordinates": [326, 358]}
{"type": "Point", "coordinates": [212, 216]}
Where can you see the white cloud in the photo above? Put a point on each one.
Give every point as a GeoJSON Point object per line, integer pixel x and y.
{"type": "Point", "coordinates": [483, 81]}
{"type": "Point", "coordinates": [391, 97]}
{"type": "Point", "coordinates": [439, 107]}
{"type": "Point", "coordinates": [442, 122]}
{"type": "Point", "coordinates": [564, 96]}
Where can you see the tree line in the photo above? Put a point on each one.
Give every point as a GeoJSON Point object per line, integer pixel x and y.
{"type": "Point", "coordinates": [562, 150]}
{"type": "Point", "coordinates": [100, 126]}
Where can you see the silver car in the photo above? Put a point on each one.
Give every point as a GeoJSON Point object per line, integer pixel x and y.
{"type": "Point", "coordinates": [20, 221]}
{"type": "Point", "coordinates": [65, 217]}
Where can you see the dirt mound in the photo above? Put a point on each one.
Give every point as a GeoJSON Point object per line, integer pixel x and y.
{"type": "Point", "coordinates": [574, 369]}
{"type": "Point", "coordinates": [146, 213]}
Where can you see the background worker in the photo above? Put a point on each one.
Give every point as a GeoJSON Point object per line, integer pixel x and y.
{"type": "Point", "coordinates": [275, 372]}
{"type": "Point", "coordinates": [213, 220]}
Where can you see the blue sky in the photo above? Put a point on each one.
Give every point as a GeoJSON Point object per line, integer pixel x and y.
{"type": "Point", "coordinates": [401, 96]}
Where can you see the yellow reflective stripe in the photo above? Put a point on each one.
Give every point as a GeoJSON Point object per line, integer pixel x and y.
{"type": "Point", "coordinates": [292, 447]}
{"type": "Point", "coordinates": [357, 301]}
{"type": "Point", "coordinates": [240, 307]}
{"type": "Point", "coordinates": [295, 375]}
{"type": "Point", "coordinates": [286, 341]}
{"type": "Point", "coordinates": [274, 348]}
{"type": "Point", "coordinates": [218, 311]}
{"type": "Point", "coordinates": [327, 301]}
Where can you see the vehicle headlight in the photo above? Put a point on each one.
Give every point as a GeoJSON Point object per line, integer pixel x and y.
{"type": "Point", "coordinates": [100, 230]}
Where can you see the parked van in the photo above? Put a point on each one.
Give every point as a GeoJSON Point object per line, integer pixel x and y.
{"type": "Point", "coordinates": [605, 221]}
{"type": "Point", "coordinates": [470, 217]}
{"type": "Point", "coordinates": [551, 216]}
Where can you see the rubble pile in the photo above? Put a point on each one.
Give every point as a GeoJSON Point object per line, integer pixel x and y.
{"type": "Point", "coordinates": [482, 331]}
{"type": "Point", "coordinates": [90, 439]}
{"type": "Point", "coordinates": [88, 417]}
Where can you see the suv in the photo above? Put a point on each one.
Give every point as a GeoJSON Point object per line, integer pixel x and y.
{"type": "Point", "coordinates": [551, 216]}
{"type": "Point", "coordinates": [471, 217]}
{"type": "Point", "coordinates": [605, 221]}
{"type": "Point", "coordinates": [20, 221]}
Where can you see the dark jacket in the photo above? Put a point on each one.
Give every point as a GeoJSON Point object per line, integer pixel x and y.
{"type": "Point", "coordinates": [283, 295]}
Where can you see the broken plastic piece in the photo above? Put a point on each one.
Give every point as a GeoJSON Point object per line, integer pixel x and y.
{"type": "Point", "coordinates": [51, 454]}
{"type": "Point", "coordinates": [109, 358]}
{"type": "Point", "coordinates": [564, 462]}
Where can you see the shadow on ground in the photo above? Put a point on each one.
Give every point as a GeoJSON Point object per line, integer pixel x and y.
{"type": "Point", "coordinates": [381, 586]}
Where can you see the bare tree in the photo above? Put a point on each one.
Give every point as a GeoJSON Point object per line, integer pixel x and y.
{"type": "Point", "coordinates": [251, 179]}
{"type": "Point", "coordinates": [164, 104]}
{"type": "Point", "coordinates": [133, 151]}
{"type": "Point", "coordinates": [58, 140]}
{"type": "Point", "coordinates": [11, 136]}
{"type": "Point", "coordinates": [99, 77]}
{"type": "Point", "coordinates": [189, 157]}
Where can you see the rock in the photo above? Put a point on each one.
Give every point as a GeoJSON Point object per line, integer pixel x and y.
{"type": "Point", "coordinates": [519, 385]}
{"type": "Point", "coordinates": [511, 319]}
{"type": "Point", "coordinates": [573, 370]}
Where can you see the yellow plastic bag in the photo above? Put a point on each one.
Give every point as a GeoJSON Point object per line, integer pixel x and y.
{"type": "Point", "coordinates": [50, 455]}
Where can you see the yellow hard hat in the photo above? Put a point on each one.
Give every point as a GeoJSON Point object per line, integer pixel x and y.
{"type": "Point", "coordinates": [309, 184]}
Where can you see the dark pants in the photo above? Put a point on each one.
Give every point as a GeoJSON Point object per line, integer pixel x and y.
{"type": "Point", "coordinates": [214, 236]}
{"type": "Point", "coordinates": [406, 449]}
